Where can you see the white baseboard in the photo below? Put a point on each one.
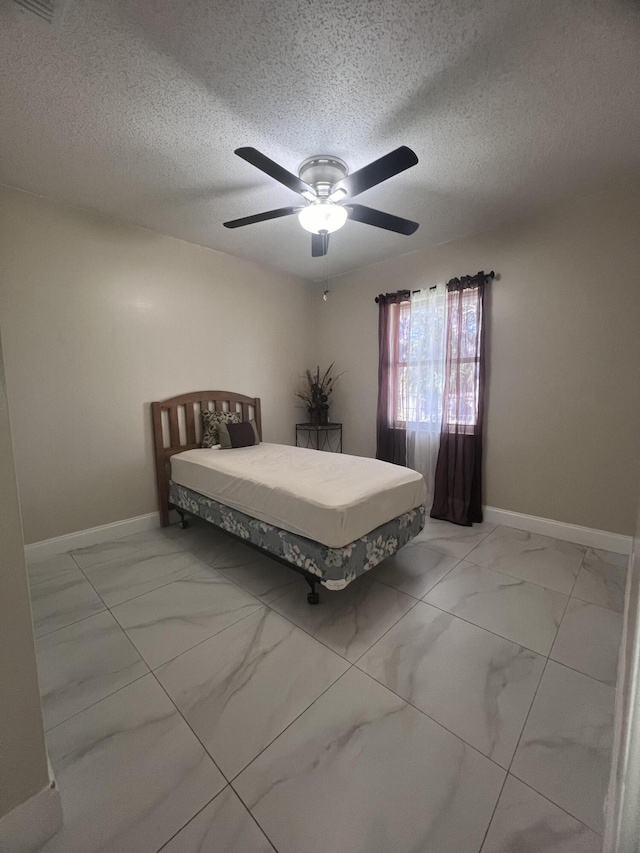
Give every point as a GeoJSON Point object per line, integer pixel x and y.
{"type": "Point", "coordinates": [588, 536]}
{"type": "Point", "coordinates": [26, 828]}
{"type": "Point", "coordinates": [92, 536]}
{"type": "Point", "coordinates": [531, 523]}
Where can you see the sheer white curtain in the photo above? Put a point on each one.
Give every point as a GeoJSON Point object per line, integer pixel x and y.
{"type": "Point", "coordinates": [424, 380]}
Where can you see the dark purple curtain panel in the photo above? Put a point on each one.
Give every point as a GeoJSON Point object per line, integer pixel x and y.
{"type": "Point", "coordinates": [391, 441]}
{"type": "Point", "coordinates": [458, 481]}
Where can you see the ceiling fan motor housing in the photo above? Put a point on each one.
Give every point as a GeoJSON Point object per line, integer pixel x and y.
{"type": "Point", "coordinates": [322, 172]}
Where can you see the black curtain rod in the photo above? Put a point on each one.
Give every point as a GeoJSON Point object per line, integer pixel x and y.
{"type": "Point", "coordinates": [478, 277]}
{"type": "Point", "coordinates": [465, 278]}
{"type": "Point", "coordinates": [403, 295]}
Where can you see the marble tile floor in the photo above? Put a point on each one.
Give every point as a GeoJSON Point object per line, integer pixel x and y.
{"type": "Point", "coordinates": [459, 698]}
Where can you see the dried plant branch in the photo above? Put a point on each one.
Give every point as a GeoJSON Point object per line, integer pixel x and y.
{"type": "Point", "coordinates": [320, 387]}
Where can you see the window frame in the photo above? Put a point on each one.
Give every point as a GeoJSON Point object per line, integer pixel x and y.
{"type": "Point", "coordinates": [396, 398]}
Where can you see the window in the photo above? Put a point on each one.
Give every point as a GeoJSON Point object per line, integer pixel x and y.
{"type": "Point", "coordinates": [419, 360]}
{"type": "Point", "coordinates": [464, 309]}
{"type": "Point", "coordinates": [430, 390]}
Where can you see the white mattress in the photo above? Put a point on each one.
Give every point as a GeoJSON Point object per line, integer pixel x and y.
{"type": "Point", "coordinates": [329, 497]}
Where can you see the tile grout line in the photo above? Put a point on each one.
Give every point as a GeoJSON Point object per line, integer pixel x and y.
{"type": "Point", "coordinates": [424, 544]}
{"type": "Point", "coordinates": [181, 550]}
{"type": "Point", "coordinates": [268, 604]}
{"type": "Point", "coordinates": [254, 818]}
{"type": "Point", "coordinates": [433, 719]}
{"type": "Point", "coordinates": [553, 538]}
{"type": "Point", "coordinates": [177, 550]}
{"type": "Point", "coordinates": [152, 672]}
{"type": "Point", "coordinates": [229, 782]}
{"type": "Point", "coordinates": [219, 794]}
{"type": "Point", "coordinates": [355, 664]}
{"type": "Point", "coordinates": [488, 630]}
{"type": "Point", "coordinates": [175, 580]}
{"type": "Point", "coordinates": [206, 565]}
{"type": "Point", "coordinates": [580, 567]}
{"type": "Point", "coordinates": [233, 778]}
{"type": "Point", "coordinates": [178, 831]}
{"type": "Point", "coordinates": [448, 572]}
{"type": "Point", "coordinates": [351, 665]}
{"type": "Point", "coordinates": [413, 606]}
{"type": "Point", "coordinates": [545, 797]}
{"type": "Point", "coordinates": [564, 613]}
{"type": "Point", "coordinates": [196, 736]}
{"type": "Point", "coordinates": [106, 610]}
{"type": "Point", "coordinates": [144, 660]}
{"type": "Point", "coordinates": [93, 588]}
{"type": "Point", "coordinates": [37, 637]}
{"type": "Point", "coordinates": [518, 577]}
{"type": "Point", "coordinates": [515, 752]}
{"type": "Point", "coordinates": [206, 639]}
{"type": "Point", "coordinates": [288, 726]}
{"type": "Point", "coordinates": [593, 604]}
{"type": "Point", "coordinates": [152, 669]}
{"type": "Point", "coordinates": [285, 591]}
{"type": "Point", "coordinates": [437, 722]}
{"type": "Point", "coordinates": [548, 658]}
{"type": "Point", "coordinates": [160, 586]}
{"type": "Point", "coordinates": [304, 710]}
{"type": "Point", "coordinates": [98, 701]}
{"type": "Point", "coordinates": [580, 672]}
{"type": "Point", "coordinates": [206, 752]}
{"type": "Point", "coordinates": [493, 813]}
{"type": "Point", "coordinates": [33, 583]}
{"type": "Point", "coordinates": [448, 553]}
{"type": "Point", "coordinates": [219, 571]}
{"type": "Point", "coordinates": [153, 589]}
{"type": "Point", "coordinates": [313, 636]}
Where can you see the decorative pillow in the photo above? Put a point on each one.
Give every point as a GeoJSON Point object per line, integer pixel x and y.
{"type": "Point", "coordinates": [238, 435]}
{"type": "Point", "coordinates": [210, 423]}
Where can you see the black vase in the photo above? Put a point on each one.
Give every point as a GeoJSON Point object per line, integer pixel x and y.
{"type": "Point", "coordinates": [318, 416]}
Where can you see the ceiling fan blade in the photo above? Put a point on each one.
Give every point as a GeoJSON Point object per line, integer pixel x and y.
{"type": "Point", "coordinates": [369, 216]}
{"type": "Point", "coordinates": [319, 245]}
{"type": "Point", "coordinates": [377, 172]}
{"type": "Point", "coordinates": [261, 217]}
{"type": "Point", "coordinates": [278, 173]}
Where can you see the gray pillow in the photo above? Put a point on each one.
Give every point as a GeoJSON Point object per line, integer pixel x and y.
{"type": "Point", "coordinates": [210, 423]}
{"type": "Point", "coordinates": [244, 434]}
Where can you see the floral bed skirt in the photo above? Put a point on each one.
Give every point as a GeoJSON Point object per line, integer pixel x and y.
{"type": "Point", "coordinates": [334, 567]}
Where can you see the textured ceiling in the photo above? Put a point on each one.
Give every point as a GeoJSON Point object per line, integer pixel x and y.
{"type": "Point", "coordinates": [133, 108]}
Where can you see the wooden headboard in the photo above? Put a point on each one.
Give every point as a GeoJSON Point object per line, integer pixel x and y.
{"type": "Point", "coordinates": [177, 426]}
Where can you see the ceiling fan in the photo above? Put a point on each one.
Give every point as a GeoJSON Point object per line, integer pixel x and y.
{"type": "Point", "coordinates": [324, 182]}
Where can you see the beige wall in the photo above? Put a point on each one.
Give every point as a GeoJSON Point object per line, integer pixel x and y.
{"type": "Point", "coordinates": [562, 438]}
{"type": "Point", "coordinates": [98, 320]}
{"type": "Point", "coordinates": [23, 760]}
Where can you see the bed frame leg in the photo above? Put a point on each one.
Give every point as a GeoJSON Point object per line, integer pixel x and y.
{"type": "Point", "coordinates": [312, 597]}
{"type": "Point", "coordinates": [183, 518]}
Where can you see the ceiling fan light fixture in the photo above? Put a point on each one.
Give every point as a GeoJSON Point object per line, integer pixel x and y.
{"type": "Point", "coordinates": [322, 217]}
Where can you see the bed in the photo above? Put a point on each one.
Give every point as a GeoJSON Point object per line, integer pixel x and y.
{"type": "Point", "coordinates": [330, 517]}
